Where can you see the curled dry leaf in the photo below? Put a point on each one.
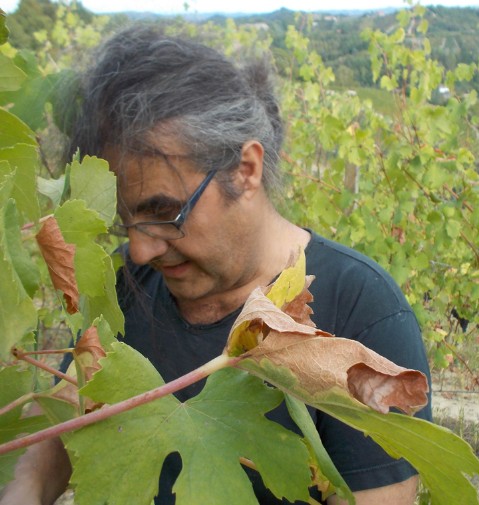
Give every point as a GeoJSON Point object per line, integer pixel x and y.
{"type": "Point", "coordinates": [259, 314]}
{"type": "Point", "coordinates": [319, 361]}
{"type": "Point", "coordinates": [59, 257]}
{"type": "Point", "coordinates": [298, 308]}
{"type": "Point", "coordinates": [321, 364]}
{"type": "Point", "coordinates": [88, 350]}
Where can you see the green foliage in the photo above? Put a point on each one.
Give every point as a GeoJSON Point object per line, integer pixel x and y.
{"type": "Point", "coordinates": [220, 425]}
{"type": "Point", "coordinates": [402, 188]}
{"type": "Point", "coordinates": [15, 383]}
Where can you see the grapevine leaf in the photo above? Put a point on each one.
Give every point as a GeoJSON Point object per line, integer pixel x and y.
{"type": "Point", "coordinates": [93, 266]}
{"type": "Point", "coordinates": [290, 282]}
{"type": "Point", "coordinates": [338, 377]}
{"type": "Point", "coordinates": [80, 226]}
{"type": "Point", "coordinates": [15, 383]}
{"type": "Point", "coordinates": [106, 304]}
{"type": "Point", "coordinates": [7, 433]}
{"type": "Point", "coordinates": [92, 181]}
{"type": "Point", "coordinates": [59, 256]}
{"type": "Point", "coordinates": [211, 431]}
{"type": "Point", "coordinates": [7, 181]}
{"type": "Point", "coordinates": [258, 314]}
{"type": "Point", "coordinates": [326, 476]}
{"type": "Point", "coordinates": [30, 99]}
{"type": "Point", "coordinates": [422, 443]}
{"type": "Point", "coordinates": [3, 28]}
{"type": "Point", "coordinates": [52, 188]}
{"type": "Point", "coordinates": [18, 316]}
{"type": "Point", "coordinates": [11, 77]}
{"type": "Point", "coordinates": [14, 131]}
{"type": "Point", "coordinates": [22, 160]}
{"type": "Point", "coordinates": [322, 363]}
{"type": "Point", "coordinates": [20, 258]}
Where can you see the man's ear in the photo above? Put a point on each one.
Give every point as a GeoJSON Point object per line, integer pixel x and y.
{"type": "Point", "coordinates": [250, 170]}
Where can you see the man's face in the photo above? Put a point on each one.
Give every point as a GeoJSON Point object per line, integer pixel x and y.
{"type": "Point", "coordinates": [216, 254]}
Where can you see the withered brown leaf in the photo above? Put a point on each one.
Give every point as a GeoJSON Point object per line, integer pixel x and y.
{"type": "Point", "coordinates": [321, 362]}
{"type": "Point", "coordinates": [59, 257]}
{"type": "Point", "coordinates": [88, 350]}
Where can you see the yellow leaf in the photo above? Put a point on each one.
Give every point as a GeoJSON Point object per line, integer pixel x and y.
{"type": "Point", "coordinates": [290, 283]}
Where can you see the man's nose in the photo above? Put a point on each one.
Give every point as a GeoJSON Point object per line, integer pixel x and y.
{"type": "Point", "coordinates": [144, 248]}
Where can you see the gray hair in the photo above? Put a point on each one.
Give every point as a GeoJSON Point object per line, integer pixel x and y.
{"type": "Point", "coordinates": [143, 82]}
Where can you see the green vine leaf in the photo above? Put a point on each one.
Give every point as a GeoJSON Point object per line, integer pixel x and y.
{"type": "Point", "coordinates": [211, 432]}
{"type": "Point", "coordinates": [422, 443]}
{"type": "Point", "coordinates": [3, 28]}
{"type": "Point", "coordinates": [22, 161]}
{"type": "Point", "coordinates": [92, 181]}
{"type": "Point", "coordinates": [328, 478]}
{"type": "Point", "coordinates": [54, 189]}
{"type": "Point", "coordinates": [14, 131]}
{"type": "Point", "coordinates": [15, 384]}
{"type": "Point", "coordinates": [11, 77]}
{"type": "Point", "coordinates": [19, 255]}
{"type": "Point", "coordinates": [18, 315]}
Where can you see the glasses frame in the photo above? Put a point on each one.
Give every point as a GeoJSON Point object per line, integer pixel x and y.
{"type": "Point", "coordinates": [179, 220]}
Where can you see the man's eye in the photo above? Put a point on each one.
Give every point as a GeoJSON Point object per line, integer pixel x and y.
{"type": "Point", "coordinates": [164, 214]}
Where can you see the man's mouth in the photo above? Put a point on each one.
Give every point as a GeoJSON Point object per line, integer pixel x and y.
{"type": "Point", "coordinates": [175, 271]}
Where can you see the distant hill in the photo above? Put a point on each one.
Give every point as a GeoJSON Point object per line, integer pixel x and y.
{"type": "Point", "coordinates": [336, 35]}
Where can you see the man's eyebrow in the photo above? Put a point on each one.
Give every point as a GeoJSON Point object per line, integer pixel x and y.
{"type": "Point", "coordinates": [156, 203]}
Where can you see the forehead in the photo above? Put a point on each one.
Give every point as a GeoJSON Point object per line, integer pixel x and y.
{"type": "Point", "coordinates": [161, 157]}
{"type": "Point", "coordinates": [141, 177]}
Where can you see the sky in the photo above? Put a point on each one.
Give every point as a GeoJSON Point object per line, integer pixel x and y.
{"type": "Point", "coordinates": [247, 6]}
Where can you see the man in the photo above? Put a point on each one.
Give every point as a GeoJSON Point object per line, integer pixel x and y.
{"type": "Point", "coordinates": [195, 144]}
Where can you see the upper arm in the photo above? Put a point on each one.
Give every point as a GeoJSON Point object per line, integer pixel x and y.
{"type": "Point", "coordinates": [401, 493]}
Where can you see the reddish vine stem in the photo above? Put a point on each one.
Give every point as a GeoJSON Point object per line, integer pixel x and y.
{"type": "Point", "coordinates": [17, 403]}
{"type": "Point", "coordinates": [105, 412]}
{"type": "Point", "coordinates": [28, 226]}
{"type": "Point", "coordinates": [24, 357]}
{"type": "Point", "coordinates": [48, 351]}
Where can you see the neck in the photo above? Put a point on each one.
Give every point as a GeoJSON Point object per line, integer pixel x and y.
{"type": "Point", "coordinates": [271, 254]}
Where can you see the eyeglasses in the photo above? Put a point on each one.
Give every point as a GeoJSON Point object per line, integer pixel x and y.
{"type": "Point", "coordinates": [167, 230]}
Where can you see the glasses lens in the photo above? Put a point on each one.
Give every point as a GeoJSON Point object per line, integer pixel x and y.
{"type": "Point", "coordinates": [165, 231]}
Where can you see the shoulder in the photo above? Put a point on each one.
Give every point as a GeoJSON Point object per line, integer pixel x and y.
{"type": "Point", "coordinates": [351, 291]}
{"type": "Point", "coordinates": [341, 266]}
